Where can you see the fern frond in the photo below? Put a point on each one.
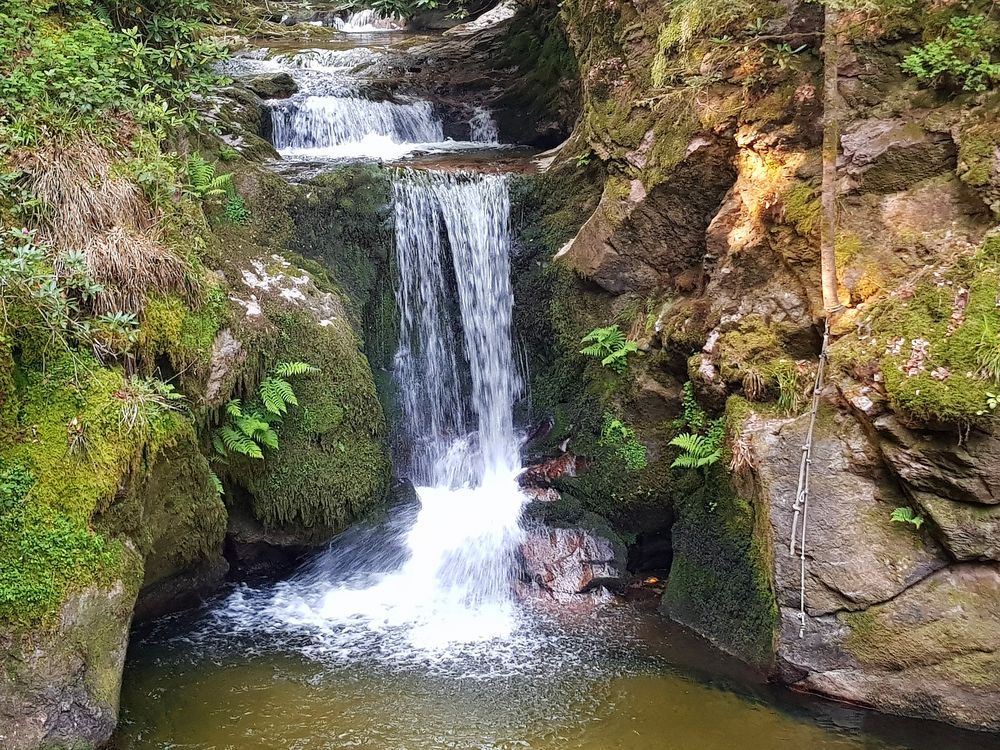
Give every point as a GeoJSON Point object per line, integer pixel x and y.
{"type": "Point", "coordinates": [252, 426]}
{"type": "Point", "coordinates": [238, 442]}
{"type": "Point", "coordinates": [216, 483]}
{"type": "Point", "coordinates": [277, 395]}
{"type": "Point", "coordinates": [291, 369]}
{"type": "Point", "coordinates": [234, 408]}
{"type": "Point", "coordinates": [268, 438]}
{"type": "Point", "coordinates": [218, 445]}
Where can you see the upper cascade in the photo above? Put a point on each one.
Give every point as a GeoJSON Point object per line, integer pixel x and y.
{"type": "Point", "coordinates": [344, 127]}
{"type": "Point", "coordinates": [369, 20]}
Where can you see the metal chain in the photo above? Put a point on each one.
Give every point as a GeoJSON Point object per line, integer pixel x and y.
{"type": "Point", "coordinates": [801, 506]}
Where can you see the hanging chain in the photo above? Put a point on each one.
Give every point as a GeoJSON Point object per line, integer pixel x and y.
{"type": "Point", "coordinates": [801, 506]}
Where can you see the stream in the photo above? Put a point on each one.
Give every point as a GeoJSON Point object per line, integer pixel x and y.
{"type": "Point", "coordinates": [419, 632]}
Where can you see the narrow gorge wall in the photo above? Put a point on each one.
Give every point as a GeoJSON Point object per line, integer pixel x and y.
{"type": "Point", "coordinates": [685, 209]}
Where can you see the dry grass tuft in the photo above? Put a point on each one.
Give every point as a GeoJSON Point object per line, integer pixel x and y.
{"type": "Point", "coordinates": [88, 208]}
{"type": "Point", "coordinates": [82, 199]}
{"type": "Point", "coordinates": [129, 266]}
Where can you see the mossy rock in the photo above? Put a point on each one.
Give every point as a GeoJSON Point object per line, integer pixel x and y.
{"type": "Point", "coordinates": [720, 582]}
{"type": "Point", "coordinates": [332, 465]}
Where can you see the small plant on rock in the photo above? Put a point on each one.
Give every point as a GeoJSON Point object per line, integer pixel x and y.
{"type": "Point", "coordinates": [907, 515]}
{"type": "Point", "coordinates": [202, 181]}
{"type": "Point", "coordinates": [962, 56]}
{"type": "Point", "coordinates": [610, 346]}
{"type": "Point", "coordinates": [617, 435]}
{"type": "Point", "coordinates": [250, 428]}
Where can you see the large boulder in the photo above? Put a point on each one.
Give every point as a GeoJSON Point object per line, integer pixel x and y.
{"type": "Point", "coordinates": [857, 556]}
{"type": "Point", "coordinates": [564, 562]}
{"type": "Point", "coordinates": [890, 620]}
{"type": "Point", "coordinates": [639, 240]}
{"type": "Point", "coordinates": [932, 652]}
{"type": "Point", "coordinates": [883, 156]}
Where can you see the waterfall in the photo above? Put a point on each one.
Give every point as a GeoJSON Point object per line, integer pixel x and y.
{"type": "Point", "coordinates": [349, 126]}
{"type": "Point", "coordinates": [367, 21]}
{"type": "Point", "coordinates": [482, 127]}
{"type": "Point", "coordinates": [469, 215]}
{"type": "Point", "coordinates": [453, 582]}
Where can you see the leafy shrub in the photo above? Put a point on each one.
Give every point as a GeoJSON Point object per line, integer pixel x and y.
{"type": "Point", "coordinates": [236, 211]}
{"type": "Point", "coordinates": [610, 346]}
{"type": "Point", "coordinates": [963, 56]}
{"type": "Point", "coordinates": [618, 436]}
{"type": "Point", "coordinates": [63, 65]}
{"type": "Point", "coordinates": [701, 446]}
{"type": "Point", "coordinates": [692, 415]}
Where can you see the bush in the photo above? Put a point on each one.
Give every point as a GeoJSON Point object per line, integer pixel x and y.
{"type": "Point", "coordinates": [60, 70]}
{"type": "Point", "coordinates": [961, 57]}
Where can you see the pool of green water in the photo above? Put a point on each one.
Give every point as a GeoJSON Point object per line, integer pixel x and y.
{"type": "Point", "coordinates": [599, 680]}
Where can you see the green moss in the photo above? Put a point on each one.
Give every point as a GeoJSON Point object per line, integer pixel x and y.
{"type": "Point", "coordinates": [802, 208]}
{"type": "Point", "coordinates": [720, 581]}
{"type": "Point", "coordinates": [71, 443]}
{"type": "Point", "coordinates": [979, 143]}
{"type": "Point", "coordinates": [332, 465]}
{"type": "Point", "coordinates": [169, 327]}
{"type": "Point", "coordinates": [961, 647]}
{"type": "Point", "coordinates": [948, 384]}
{"type": "Point", "coordinates": [343, 221]}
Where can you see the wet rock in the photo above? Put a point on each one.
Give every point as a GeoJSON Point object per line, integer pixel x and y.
{"type": "Point", "coordinates": [857, 556]}
{"type": "Point", "coordinates": [60, 688]}
{"type": "Point", "coordinates": [883, 156]}
{"type": "Point", "coordinates": [933, 651]}
{"type": "Point", "coordinates": [563, 562]}
{"type": "Point", "coordinates": [228, 356]}
{"type": "Point", "coordinates": [274, 86]}
{"type": "Point", "coordinates": [543, 474]}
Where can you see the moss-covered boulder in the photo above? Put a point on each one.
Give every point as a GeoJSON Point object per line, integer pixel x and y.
{"type": "Point", "coordinates": [331, 466]}
{"type": "Point", "coordinates": [721, 582]}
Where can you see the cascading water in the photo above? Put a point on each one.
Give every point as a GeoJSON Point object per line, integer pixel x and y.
{"type": "Point", "coordinates": [453, 580]}
{"type": "Point", "coordinates": [343, 127]}
{"type": "Point", "coordinates": [482, 127]}
{"type": "Point", "coordinates": [367, 21]}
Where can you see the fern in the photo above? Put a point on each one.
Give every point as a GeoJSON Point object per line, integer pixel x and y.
{"type": "Point", "coordinates": [698, 451]}
{"type": "Point", "coordinates": [236, 441]}
{"type": "Point", "coordinates": [610, 346]}
{"type": "Point", "coordinates": [603, 341]}
{"type": "Point", "coordinates": [907, 515]}
{"type": "Point", "coordinates": [202, 180]}
{"type": "Point", "coordinates": [276, 395]}
{"type": "Point", "coordinates": [249, 429]}
{"type": "Point", "coordinates": [216, 483]}
{"type": "Point", "coordinates": [293, 369]}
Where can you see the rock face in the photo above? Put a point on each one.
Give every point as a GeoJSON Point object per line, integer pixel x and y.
{"type": "Point", "coordinates": [639, 241]}
{"type": "Point", "coordinates": [564, 562]}
{"type": "Point", "coordinates": [934, 650]}
{"type": "Point", "coordinates": [60, 688]}
{"type": "Point", "coordinates": [891, 620]}
{"type": "Point", "coordinates": [857, 556]}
